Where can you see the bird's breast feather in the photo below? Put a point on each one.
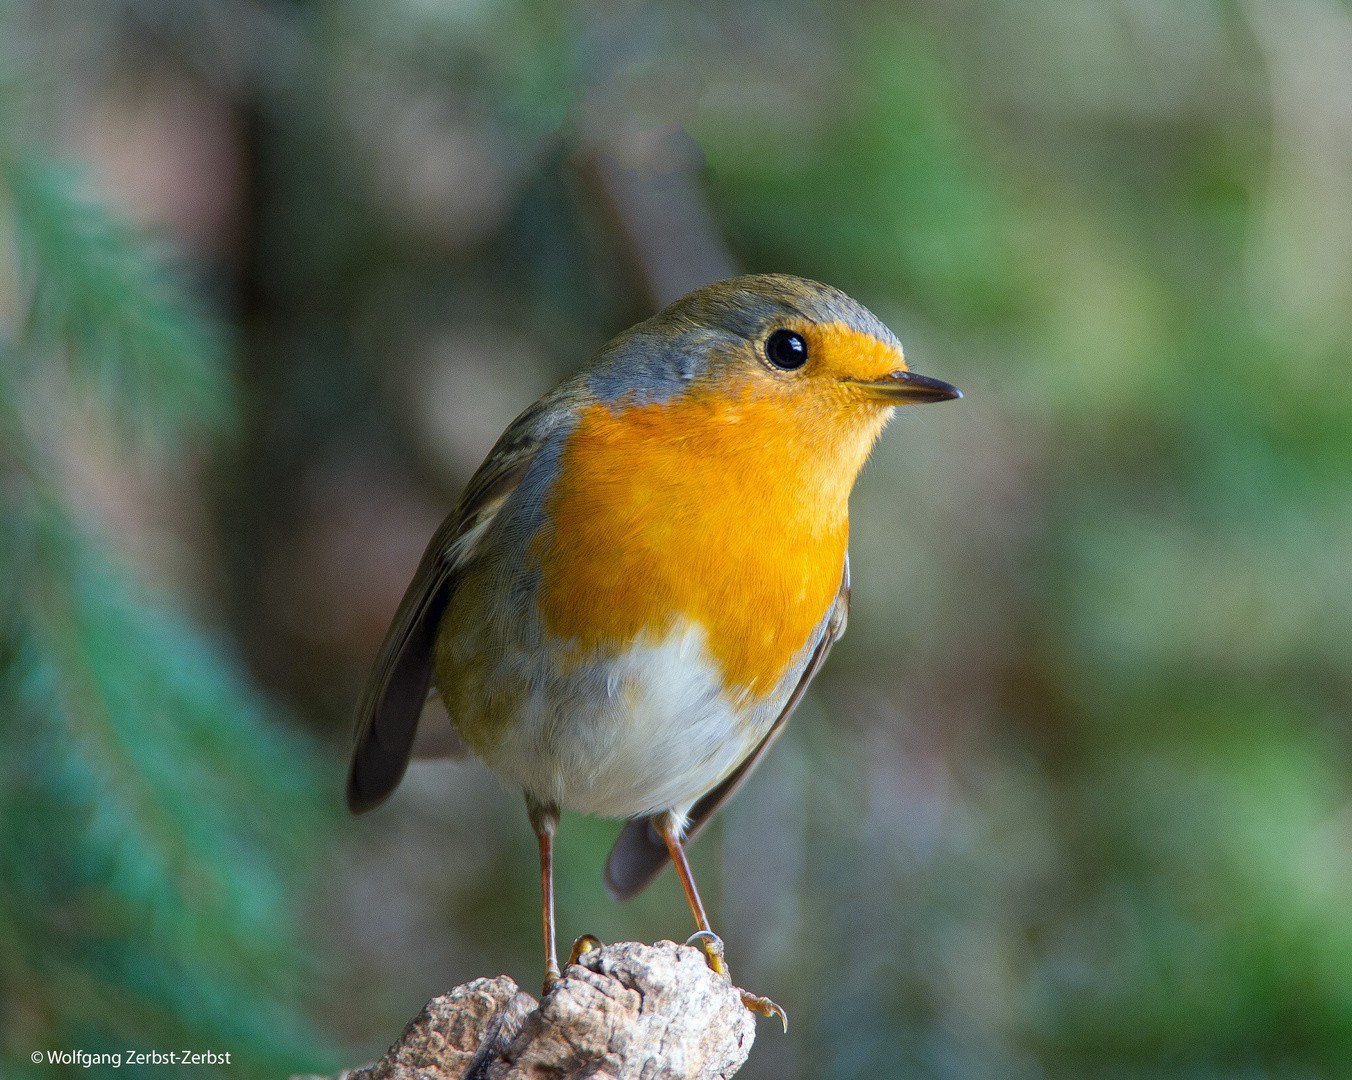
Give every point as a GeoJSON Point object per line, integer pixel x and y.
{"type": "Point", "coordinates": [695, 511]}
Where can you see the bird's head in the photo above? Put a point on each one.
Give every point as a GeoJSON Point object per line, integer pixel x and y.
{"type": "Point", "coordinates": [813, 369]}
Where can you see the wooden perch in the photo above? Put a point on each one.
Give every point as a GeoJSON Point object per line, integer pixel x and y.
{"type": "Point", "coordinates": [622, 1012]}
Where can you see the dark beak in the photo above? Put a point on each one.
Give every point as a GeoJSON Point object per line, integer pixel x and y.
{"type": "Point", "coordinates": [908, 388]}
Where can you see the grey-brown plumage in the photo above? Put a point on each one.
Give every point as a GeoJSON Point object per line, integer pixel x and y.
{"type": "Point", "coordinates": [387, 715]}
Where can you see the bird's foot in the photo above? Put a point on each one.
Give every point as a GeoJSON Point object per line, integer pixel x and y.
{"type": "Point", "coordinates": [765, 1007]}
{"type": "Point", "coordinates": [711, 945]}
{"type": "Point", "coordinates": [585, 944]}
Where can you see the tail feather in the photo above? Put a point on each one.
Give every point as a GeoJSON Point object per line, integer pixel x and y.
{"type": "Point", "coordinates": [636, 859]}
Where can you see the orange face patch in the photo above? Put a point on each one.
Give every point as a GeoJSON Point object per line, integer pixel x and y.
{"type": "Point", "coordinates": [726, 509]}
{"type": "Point", "coordinates": [837, 351]}
{"type": "Point", "coordinates": [822, 396]}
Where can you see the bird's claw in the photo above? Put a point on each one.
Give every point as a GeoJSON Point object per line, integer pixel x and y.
{"type": "Point", "coordinates": [711, 945]}
{"type": "Point", "coordinates": [765, 1007]}
{"type": "Point", "coordinates": [585, 944]}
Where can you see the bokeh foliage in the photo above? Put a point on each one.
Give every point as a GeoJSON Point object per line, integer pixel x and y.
{"type": "Point", "coordinates": [155, 815]}
{"type": "Point", "coordinates": [1072, 797]}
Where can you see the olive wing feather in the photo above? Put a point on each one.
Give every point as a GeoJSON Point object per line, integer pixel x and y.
{"type": "Point", "coordinates": [395, 693]}
{"type": "Point", "coordinates": [639, 854]}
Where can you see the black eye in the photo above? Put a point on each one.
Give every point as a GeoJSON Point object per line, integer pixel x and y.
{"type": "Point", "coordinates": [786, 350]}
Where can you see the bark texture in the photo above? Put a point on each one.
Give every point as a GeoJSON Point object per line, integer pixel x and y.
{"type": "Point", "coordinates": [623, 1012]}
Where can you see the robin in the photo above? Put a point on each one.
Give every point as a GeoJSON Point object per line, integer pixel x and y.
{"type": "Point", "coordinates": [640, 581]}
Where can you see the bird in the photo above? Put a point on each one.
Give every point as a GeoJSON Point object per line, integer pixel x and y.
{"type": "Point", "coordinates": [638, 584]}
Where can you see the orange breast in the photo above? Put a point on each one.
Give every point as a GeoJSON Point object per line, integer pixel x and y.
{"type": "Point", "coordinates": [724, 512]}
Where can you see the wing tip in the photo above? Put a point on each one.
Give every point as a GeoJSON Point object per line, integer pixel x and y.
{"type": "Point", "coordinates": [359, 803]}
{"type": "Point", "coordinates": [366, 792]}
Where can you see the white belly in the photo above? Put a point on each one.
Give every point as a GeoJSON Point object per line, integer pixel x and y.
{"type": "Point", "coordinates": [650, 729]}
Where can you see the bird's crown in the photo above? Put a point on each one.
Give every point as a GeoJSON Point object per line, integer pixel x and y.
{"type": "Point", "coordinates": [725, 330]}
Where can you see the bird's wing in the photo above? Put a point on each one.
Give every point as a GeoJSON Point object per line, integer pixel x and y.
{"type": "Point", "coordinates": [387, 716]}
{"type": "Point", "coordinates": [639, 853]}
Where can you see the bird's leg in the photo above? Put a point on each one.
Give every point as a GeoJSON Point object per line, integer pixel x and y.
{"type": "Point", "coordinates": [544, 819]}
{"type": "Point", "coordinates": [670, 827]}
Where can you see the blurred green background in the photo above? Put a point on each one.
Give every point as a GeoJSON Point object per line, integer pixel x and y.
{"type": "Point", "coordinates": [1073, 798]}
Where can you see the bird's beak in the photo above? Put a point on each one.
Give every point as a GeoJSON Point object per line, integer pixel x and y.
{"type": "Point", "coordinates": [907, 388]}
